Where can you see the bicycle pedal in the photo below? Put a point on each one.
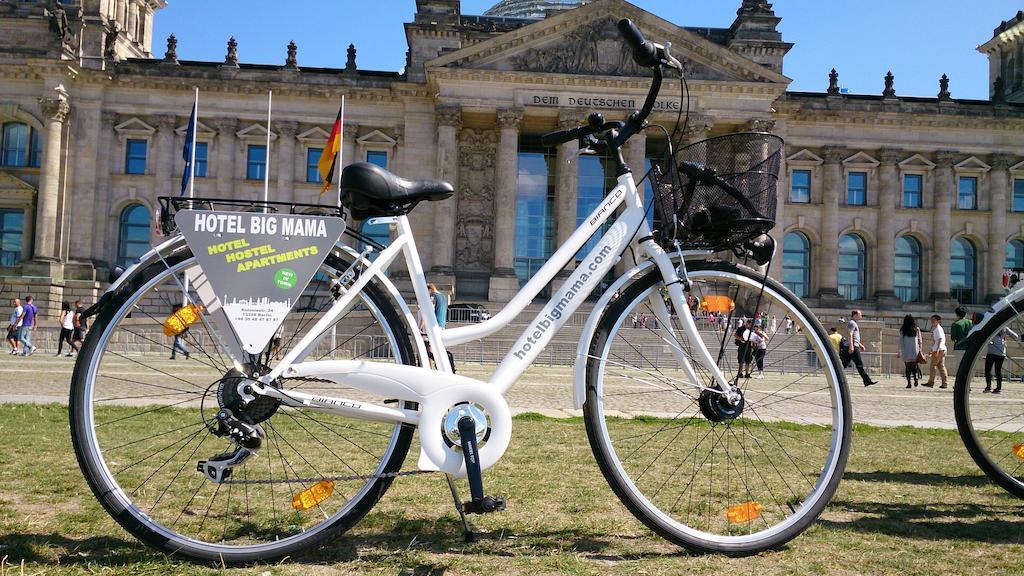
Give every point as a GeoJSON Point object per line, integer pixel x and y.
{"type": "Point", "coordinates": [486, 505]}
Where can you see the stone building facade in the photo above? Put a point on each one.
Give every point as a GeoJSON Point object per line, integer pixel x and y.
{"type": "Point", "coordinates": [887, 202]}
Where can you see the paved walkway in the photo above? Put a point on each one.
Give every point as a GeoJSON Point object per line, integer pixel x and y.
{"type": "Point", "coordinates": [546, 390]}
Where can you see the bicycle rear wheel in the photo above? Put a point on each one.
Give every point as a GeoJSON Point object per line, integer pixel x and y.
{"type": "Point", "coordinates": [992, 424]}
{"type": "Point", "coordinates": [704, 473]}
{"type": "Point", "coordinates": [140, 424]}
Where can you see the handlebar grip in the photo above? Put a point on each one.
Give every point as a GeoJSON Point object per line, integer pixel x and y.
{"type": "Point", "coordinates": [644, 52]}
{"type": "Point", "coordinates": [562, 136]}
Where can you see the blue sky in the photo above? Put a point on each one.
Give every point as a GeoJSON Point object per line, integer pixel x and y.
{"type": "Point", "coordinates": [919, 40]}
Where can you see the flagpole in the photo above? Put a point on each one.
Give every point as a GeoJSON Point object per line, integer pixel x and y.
{"type": "Point", "coordinates": [192, 163]}
{"type": "Point", "coordinates": [266, 171]}
{"type": "Point", "coordinates": [341, 149]}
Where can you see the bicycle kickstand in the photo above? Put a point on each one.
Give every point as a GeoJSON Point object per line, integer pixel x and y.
{"type": "Point", "coordinates": [467, 530]}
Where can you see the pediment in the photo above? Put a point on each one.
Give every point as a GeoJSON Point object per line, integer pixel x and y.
{"type": "Point", "coordinates": [973, 164]}
{"type": "Point", "coordinates": [1017, 168]}
{"type": "Point", "coordinates": [805, 157]}
{"type": "Point", "coordinates": [917, 162]}
{"type": "Point", "coordinates": [377, 137]}
{"type": "Point", "coordinates": [314, 134]}
{"type": "Point", "coordinates": [10, 183]}
{"type": "Point", "coordinates": [201, 130]}
{"type": "Point", "coordinates": [254, 131]}
{"type": "Point", "coordinates": [585, 41]}
{"type": "Point", "coordinates": [860, 160]}
{"type": "Point", "coordinates": [134, 126]}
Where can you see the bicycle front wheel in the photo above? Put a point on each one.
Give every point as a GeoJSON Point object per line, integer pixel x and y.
{"type": "Point", "coordinates": [706, 473]}
{"type": "Point", "coordinates": [143, 417]}
{"type": "Point", "coordinates": [989, 407]}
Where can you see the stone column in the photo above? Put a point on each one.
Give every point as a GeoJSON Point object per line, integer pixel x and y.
{"type": "Point", "coordinates": [999, 187]}
{"type": "Point", "coordinates": [504, 283]}
{"type": "Point", "coordinates": [55, 112]}
{"type": "Point", "coordinates": [286, 132]}
{"type": "Point", "coordinates": [164, 154]}
{"type": "Point", "coordinates": [827, 261]}
{"type": "Point", "coordinates": [104, 167]}
{"type": "Point", "coordinates": [226, 153]}
{"type": "Point", "coordinates": [566, 186]}
{"type": "Point", "coordinates": [888, 194]}
{"type": "Point", "coordinates": [449, 120]}
{"type": "Point", "coordinates": [348, 145]}
{"type": "Point", "coordinates": [941, 240]}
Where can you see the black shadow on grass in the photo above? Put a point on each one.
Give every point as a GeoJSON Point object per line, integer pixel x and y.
{"type": "Point", "coordinates": [103, 550]}
{"type": "Point", "coordinates": [920, 478]}
{"type": "Point", "coordinates": [968, 522]}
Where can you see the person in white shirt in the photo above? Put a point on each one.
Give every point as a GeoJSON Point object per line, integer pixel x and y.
{"type": "Point", "coordinates": [14, 327]}
{"type": "Point", "coordinates": [938, 355]}
{"type": "Point", "coordinates": [855, 348]}
{"type": "Point", "coordinates": [759, 341]}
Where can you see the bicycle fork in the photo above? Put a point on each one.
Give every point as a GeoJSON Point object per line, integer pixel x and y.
{"type": "Point", "coordinates": [675, 284]}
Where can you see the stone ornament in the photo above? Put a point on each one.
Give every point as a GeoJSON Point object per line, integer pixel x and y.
{"type": "Point", "coordinates": [449, 115]}
{"type": "Point", "coordinates": [171, 55]}
{"type": "Point", "coordinates": [350, 60]}
{"type": "Point", "coordinates": [291, 62]}
{"type": "Point", "coordinates": [594, 48]}
{"type": "Point", "coordinates": [889, 91]}
{"type": "Point", "coordinates": [510, 117]}
{"type": "Point", "coordinates": [231, 58]}
{"type": "Point", "coordinates": [833, 83]}
{"type": "Point", "coordinates": [944, 95]}
{"type": "Point", "coordinates": [833, 154]}
{"type": "Point", "coordinates": [889, 155]}
{"type": "Point", "coordinates": [474, 235]}
{"type": "Point", "coordinates": [56, 108]}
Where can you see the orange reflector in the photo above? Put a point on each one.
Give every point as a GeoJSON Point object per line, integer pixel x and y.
{"type": "Point", "coordinates": [1018, 449]}
{"type": "Point", "coordinates": [744, 512]}
{"type": "Point", "coordinates": [313, 495]}
{"type": "Point", "coordinates": [181, 319]}
{"type": "Point", "coordinates": [717, 303]}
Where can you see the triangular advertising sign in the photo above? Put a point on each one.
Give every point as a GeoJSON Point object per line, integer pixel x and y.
{"type": "Point", "coordinates": [258, 264]}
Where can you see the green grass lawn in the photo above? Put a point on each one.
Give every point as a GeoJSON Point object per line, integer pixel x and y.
{"type": "Point", "coordinates": [912, 502]}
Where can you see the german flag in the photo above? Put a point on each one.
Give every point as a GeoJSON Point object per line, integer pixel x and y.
{"type": "Point", "coordinates": [329, 157]}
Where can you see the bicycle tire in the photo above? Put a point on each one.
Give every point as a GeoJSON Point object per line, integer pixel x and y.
{"type": "Point", "coordinates": [610, 368]}
{"type": "Point", "coordinates": [993, 428]}
{"type": "Point", "coordinates": [97, 460]}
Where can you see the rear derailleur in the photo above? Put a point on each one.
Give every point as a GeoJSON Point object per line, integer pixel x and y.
{"type": "Point", "coordinates": [248, 437]}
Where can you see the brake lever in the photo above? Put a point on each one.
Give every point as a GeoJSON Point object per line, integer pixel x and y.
{"type": "Point", "coordinates": [669, 59]}
{"type": "Point", "coordinates": [587, 145]}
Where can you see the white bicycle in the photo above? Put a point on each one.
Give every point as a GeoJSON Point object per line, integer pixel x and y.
{"type": "Point", "coordinates": [237, 457]}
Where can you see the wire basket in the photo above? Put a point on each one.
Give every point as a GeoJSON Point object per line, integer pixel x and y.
{"type": "Point", "coordinates": [718, 193]}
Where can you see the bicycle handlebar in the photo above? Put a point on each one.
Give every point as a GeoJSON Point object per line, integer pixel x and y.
{"type": "Point", "coordinates": [645, 53]}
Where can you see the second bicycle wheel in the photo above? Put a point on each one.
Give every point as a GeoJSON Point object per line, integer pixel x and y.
{"type": "Point", "coordinates": [143, 418]}
{"type": "Point", "coordinates": [702, 472]}
{"type": "Point", "coordinates": [988, 398]}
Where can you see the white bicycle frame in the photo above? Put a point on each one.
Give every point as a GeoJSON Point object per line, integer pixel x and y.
{"type": "Point", "coordinates": [437, 390]}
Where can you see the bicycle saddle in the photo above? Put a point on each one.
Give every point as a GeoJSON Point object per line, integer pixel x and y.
{"type": "Point", "coordinates": [370, 190]}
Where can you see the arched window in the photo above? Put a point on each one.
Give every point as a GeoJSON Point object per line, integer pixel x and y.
{"type": "Point", "coordinates": [133, 240]}
{"type": "Point", "coordinates": [852, 267]}
{"type": "Point", "coordinates": [379, 233]}
{"type": "Point", "coordinates": [796, 263]}
{"type": "Point", "coordinates": [962, 269]}
{"type": "Point", "coordinates": [907, 269]}
{"type": "Point", "coordinates": [15, 144]}
{"type": "Point", "coordinates": [1015, 254]}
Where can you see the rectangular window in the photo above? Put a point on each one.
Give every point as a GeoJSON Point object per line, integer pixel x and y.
{"type": "Point", "coordinates": [12, 233]}
{"type": "Point", "coordinates": [967, 198]}
{"type": "Point", "coordinates": [135, 157]}
{"type": "Point", "coordinates": [1018, 195]}
{"type": "Point", "coordinates": [800, 187]}
{"type": "Point", "coordinates": [202, 151]}
{"type": "Point", "coordinates": [312, 172]}
{"type": "Point", "coordinates": [912, 184]}
{"type": "Point", "coordinates": [857, 189]}
{"type": "Point", "coordinates": [256, 163]}
{"type": "Point", "coordinates": [377, 157]}
{"type": "Point", "coordinates": [36, 150]}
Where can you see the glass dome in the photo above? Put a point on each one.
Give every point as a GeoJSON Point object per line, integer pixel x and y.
{"type": "Point", "coordinates": [531, 8]}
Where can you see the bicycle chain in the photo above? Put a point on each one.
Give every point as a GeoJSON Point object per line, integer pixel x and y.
{"type": "Point", "coordinates": [334, 478]}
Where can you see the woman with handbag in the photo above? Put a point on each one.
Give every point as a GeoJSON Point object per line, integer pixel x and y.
{"type": "Point", "coordinates": [910, 349]}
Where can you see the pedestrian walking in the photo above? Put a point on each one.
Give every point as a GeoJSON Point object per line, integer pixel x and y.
{"type": "Point", "coordinates": [837, 340]}
{"type": "Point", "coordinates": [994, 358]}
{"type": "Point", "coordinates": [958, 331]}
{"type": "Point", "coordinates": [774, 324]}
{"type": "Point", "coordinates": [67, 328]}
{"type": "Point", "coordinates": [440, 305]}
{"type": "Point", "coordinates": [759, 343]}
{"type": "Point", "coordinates": [855, 347]}
{"type": "Point", "coordinates": [28, 326]}
{"type": "Point", "coordinates": [80, 324]}
{"type": "Point", "coordinates": [938, 354]}
{"type": "Point", "coordinates": [788, 323]}
{"type": "Point", "coordinates": [14, 326]}
{"type": "Point", "coordinates": [910, 350]}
